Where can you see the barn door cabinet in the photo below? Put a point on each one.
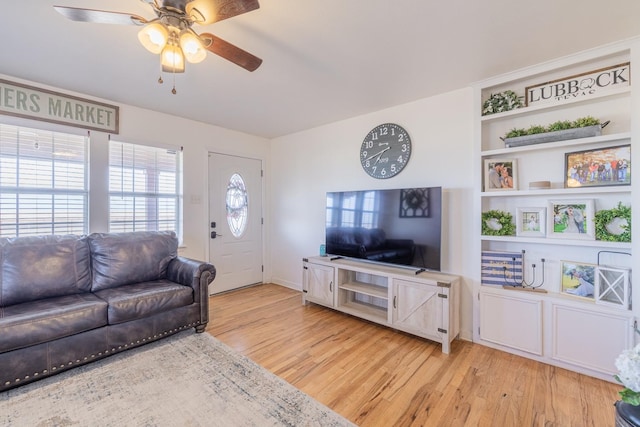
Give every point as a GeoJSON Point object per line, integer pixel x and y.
{"type": "Point", "coordinates": [583, 334]}
{"type": "Point", "coordinates": [424, 304]}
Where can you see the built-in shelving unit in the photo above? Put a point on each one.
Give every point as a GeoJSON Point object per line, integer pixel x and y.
{"type": "Point", "coordinates": [424, 303]}
{"type": "Point", "coordinates": [549, 325]}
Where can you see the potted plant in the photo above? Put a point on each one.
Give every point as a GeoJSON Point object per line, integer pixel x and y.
{"type": "Point", "coordinates": [500, 102]}
{"type": "Point", "coordinates": [561, 130]}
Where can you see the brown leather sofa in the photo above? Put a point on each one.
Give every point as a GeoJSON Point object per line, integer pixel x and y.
{"type": "Point", "coordinates": [68, 300]}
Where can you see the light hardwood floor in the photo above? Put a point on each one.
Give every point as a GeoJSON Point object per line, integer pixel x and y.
{"type": "Point", "coordinates": [375, 376]}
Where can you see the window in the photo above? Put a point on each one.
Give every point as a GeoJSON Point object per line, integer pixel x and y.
{"type": "Point", "coordinates": [43, 182]}
{"type": "Point", "coordinates": [237, 202]}
{"type": "Point", "coordinates": [354, 209]}
{"type": "Point", "coordinates": [144, 188]}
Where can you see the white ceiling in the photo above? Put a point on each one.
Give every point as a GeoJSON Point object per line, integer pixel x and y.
{"type": "Point", "coordinates": [324, 60]}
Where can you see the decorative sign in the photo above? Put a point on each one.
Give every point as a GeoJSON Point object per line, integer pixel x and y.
{"type": "Point", "coordinates": [501, 268]}
{"type": "Point", "coordinates": [579, 86]}
{"type": "Point", "coordinates": [33, 103]}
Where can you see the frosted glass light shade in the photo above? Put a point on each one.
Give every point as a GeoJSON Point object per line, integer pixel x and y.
{"type": "Point", "coordinates": [192, 47]}
{"type": "Point", "coordinates": [154, 37]}
{"type": "Point", "coordinates": [172, 59]}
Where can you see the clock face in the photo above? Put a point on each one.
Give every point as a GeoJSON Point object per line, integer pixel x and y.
{"type": "Point", "coordinates": [385, 151]}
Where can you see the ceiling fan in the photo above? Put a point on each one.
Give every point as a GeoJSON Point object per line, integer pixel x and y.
{"type": "Point", "coordinates": [171, 35]}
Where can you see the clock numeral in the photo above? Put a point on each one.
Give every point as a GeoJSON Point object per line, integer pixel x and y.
{"type": "Point", "coordinates": [368, 144]}
{"type": "Point", "coordinates": [367, 164]}
{"type": "Point", "coordinates": [384, 131]}
{"type": "Point", "coordinates": [374, 136]}
{"type": "Point", "coordinates": [401, 137]}
{"type": "Point", "coordinates": [383, 172]}
{"type": "Point", "coordinates": [364, 154]}
{"type": "Point", "coordinates": [404, 148]}
{"type": "Point", "coordinates": [400, 159]}
{"type": "Point", "coordinates": [393, 168]}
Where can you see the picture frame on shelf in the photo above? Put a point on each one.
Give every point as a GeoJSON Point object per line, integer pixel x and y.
{"type": "Point", "coordinates": [598, 167]}
{"type": "Point", "coordinates": [612, 287]}
{"type": "Point", "coordinates": [500, 175]}
{"type": "Point", "coordinates": [531, 222]}
{"type": "Point", "coordinates": [571, 219]}
{"type": "Point", "coordinates": [578, 279]}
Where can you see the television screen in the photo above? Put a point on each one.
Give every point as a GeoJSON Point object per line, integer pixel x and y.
{"type": "Point", "coordinates": [399, 226]}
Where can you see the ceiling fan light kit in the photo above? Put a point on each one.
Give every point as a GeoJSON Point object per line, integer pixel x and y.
{"type": "Point", "coordinates": [170, 35]}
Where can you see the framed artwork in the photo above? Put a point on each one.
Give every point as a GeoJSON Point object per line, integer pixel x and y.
{"type": "Point", "coordinates": [571, 219]}
{"type": "Point", "coordinates": [612, 287]}
{"type": "Point", "coordinates": [500, 175]}
{"type": "Point", "coordinates": [531, 222]}
{"type": "Point", "coordinates": [598, 168]}
{"type": "Point", "coordinates": [578, 279]}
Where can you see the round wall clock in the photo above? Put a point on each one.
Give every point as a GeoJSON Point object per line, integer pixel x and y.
{"type": "Point", "coordinates": [385, 151]}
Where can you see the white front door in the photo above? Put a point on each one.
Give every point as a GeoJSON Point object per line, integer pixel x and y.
{"type": "Point", "coordinates": [235, 220]}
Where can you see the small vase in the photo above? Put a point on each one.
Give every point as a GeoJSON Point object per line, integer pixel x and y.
{"type": "Point", "coordinates": [627, 415]}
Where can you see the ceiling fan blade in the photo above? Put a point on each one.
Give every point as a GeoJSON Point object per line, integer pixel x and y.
{"type": "Point", "coordinates": [230, 52]}
{"type": "Point", "coordinates": [218, 10]}
{"type": "Point", "coordinates": [99, 16]}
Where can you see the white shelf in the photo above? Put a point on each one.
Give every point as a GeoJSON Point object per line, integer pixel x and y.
{"type": "Point", "coordinates": [602, 139]}
{"type": "Point", "coordinates": [559, 242]}
{"type": "Point", "coordinates": [365, 311]}
{"type": "Point", "coordinates": [366, 289]}
{"type": "Point", "coordinates": [554, 106]}
{"type": "Point", "coordinates": [581, 191]}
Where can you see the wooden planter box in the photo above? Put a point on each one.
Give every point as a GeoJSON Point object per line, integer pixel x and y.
{"type": "Point", "coordinates": [560, 135]}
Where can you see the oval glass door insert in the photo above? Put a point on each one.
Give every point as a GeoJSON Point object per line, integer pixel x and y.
{"type": "Point", "coordinates": [237, 205]}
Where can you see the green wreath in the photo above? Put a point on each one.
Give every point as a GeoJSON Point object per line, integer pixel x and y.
{"type": "Point", "coordinates": [497, 223]}
{"type": "Point", "coordinates": [604, 217]}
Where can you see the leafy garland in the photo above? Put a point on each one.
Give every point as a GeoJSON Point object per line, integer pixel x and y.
{"type": "Point", "coordinates": [604, 217]}
{"type": "Point", "coordinates": [505, 219]}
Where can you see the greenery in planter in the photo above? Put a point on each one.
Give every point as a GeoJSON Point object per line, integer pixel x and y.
{"type": "Point", "coordinates": [500, 102]}
{"type": "Point", "coordinates": [556, 126]}
{"type": "Point", "coordinates": [604, 218]}
{"type": "Point", "coordinates": [497, 223]}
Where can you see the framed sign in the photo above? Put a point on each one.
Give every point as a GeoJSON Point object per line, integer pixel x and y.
{"type": "Point", "coordinates": [579, 86]}
{"type": "Point", "coordinates": [30, 102]}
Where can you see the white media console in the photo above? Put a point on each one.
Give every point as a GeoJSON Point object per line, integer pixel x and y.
{"type": "Point", "coordinates": [422, 303]}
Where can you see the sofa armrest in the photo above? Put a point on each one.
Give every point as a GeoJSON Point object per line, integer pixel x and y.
{"type": "Point", "coordinates": [196, 274]}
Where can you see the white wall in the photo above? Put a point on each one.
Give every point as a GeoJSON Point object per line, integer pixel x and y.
{"type": "Point", "coordinates": [305, 165]}
{"type": "Point", "coordinates": [141, 126]}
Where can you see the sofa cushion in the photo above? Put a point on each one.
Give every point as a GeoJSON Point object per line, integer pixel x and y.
{"type": "Point", "coordinates": [36, 267]}
{"type": "Point", "coordinates": [35, 322]}
{"type": "Point", "coordinates": [123, 258]}
{"type": "Point", "coordinates": [140, 300]}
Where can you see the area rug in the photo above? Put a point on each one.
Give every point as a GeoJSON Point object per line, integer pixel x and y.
{"type": "Point", "coordinates": [185, 380]}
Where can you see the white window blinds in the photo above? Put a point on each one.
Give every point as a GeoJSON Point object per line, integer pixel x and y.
{"type": "Point", "coordinates": [144, 188]}
{"type": "Point", "coordinates": [43, 182]}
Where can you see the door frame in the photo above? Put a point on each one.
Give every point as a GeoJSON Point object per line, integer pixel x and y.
{"type": "Point", "coordinates": [263, 234]}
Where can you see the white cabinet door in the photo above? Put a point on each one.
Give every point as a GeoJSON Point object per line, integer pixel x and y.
{"type": "Point", "coordinates": [588, 339]}
{"type": "Point", "coordinates": [318, 284]}
{"type": "Point", "coordinates": [417, 307]}
{"type": "Point", "coordinates": [511, 321]}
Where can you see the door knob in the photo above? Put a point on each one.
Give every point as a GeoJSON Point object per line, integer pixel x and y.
{"type": "Point", "coordinates": [215, 234]}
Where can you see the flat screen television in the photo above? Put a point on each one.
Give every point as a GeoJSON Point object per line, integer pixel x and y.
{"type": "Point", "coordinates": [396, 226]}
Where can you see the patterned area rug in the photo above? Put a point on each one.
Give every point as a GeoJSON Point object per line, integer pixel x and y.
{"type": "Point", "coordinates": [185, 380]}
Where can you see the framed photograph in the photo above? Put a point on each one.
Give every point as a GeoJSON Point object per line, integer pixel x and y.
{"type": "Point", "coordinates": [571, 219]}
{"type": "Point", "coordinates": [500, 175]}
{"type": "Point", "coordinates": [531, 222]}
{"type": "Point", "coordinates": [598, 168]}
{"type": "Point", "coordinates": [578, 279]}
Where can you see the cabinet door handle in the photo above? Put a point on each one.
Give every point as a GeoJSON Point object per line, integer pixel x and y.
{"type": "Point", "coordinates": [394, 301]}
{"type": "Point", "coordinates": [331, 286]}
